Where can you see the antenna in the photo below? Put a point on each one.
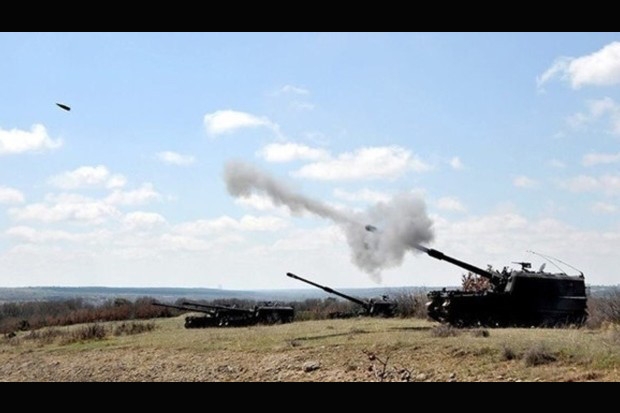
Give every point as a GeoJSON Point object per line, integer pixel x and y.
{"type": "Point", "coordinates": [548, 259]}
{"type": "Point", "coordinates": [551, 259]}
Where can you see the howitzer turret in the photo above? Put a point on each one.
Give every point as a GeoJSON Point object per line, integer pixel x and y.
{"type": "Point", "coordinates": [372, 307]}
{"type": "Point", "coordinates": [515, 298]}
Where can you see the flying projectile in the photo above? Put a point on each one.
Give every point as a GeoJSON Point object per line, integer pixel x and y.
{"type": "Point", "coordinates": [65, 107]}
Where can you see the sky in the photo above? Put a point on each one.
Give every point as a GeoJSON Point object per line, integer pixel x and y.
{"type": "Point", "coordinates": [510, 141]}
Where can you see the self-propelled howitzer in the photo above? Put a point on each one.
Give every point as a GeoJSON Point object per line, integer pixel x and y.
{"type": "Point", "coordinates": [209, 319]}
{"type": "Point", "coordinates": [259, 314]}
{"type": "Point", "coordinates": [522, 298]}
{"type": "Point", "coordinates": [373, 307]}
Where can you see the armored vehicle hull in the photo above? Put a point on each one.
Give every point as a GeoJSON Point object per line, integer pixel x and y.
{"type": "Point", "coordinates": [513, 308]}
{"type": "Point", "coordinates": [519, 298]}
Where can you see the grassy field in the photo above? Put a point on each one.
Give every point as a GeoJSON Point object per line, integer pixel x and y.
{"type": "Point", "coordinates": [361, 349]}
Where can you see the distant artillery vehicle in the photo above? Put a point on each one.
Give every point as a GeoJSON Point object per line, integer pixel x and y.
{"type": "Point", "coordinates": [373, 307]}
{"type": "Point", "coordinates": [267, 313]}
{"type": "Point", "coordinates": [210, 318]}
{"type": "Point", "coordinates": [224, 316]}
{"type": "Point", "coordinates": [515, 298]}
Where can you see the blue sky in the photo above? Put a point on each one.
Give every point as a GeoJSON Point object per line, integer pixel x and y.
{"type": "Point", "coordinates": [511, 138]}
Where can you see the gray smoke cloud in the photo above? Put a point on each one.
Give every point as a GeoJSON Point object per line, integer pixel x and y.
{"type": "Point", "coordinates": [402, 222]}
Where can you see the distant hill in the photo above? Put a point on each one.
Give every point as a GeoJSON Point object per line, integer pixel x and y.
{"type": "Point", "coordinates": [97, 295]}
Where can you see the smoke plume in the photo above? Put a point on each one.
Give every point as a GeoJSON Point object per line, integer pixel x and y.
{"type": "Point", "coordinates": [402, 222]}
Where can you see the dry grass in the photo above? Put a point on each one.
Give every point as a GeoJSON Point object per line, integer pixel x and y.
{"type": "Point", "coordinates": [445, 330]}
{"type": "Point", "coordinates": [131, 328]}
{"type": "Point", "coordinates": [408, 350]}
{"type": "Point", "coordinates": [83, 333]}
{"type": "Point", "coordinates": [538, 355]}
{"type": "Point", "coordinates": [480, 332]}
{"type": "Point", "coordinates": [508, 353]}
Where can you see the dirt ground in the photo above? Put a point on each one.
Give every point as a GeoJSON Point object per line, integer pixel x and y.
{"type": "Point", "coordinates": [330, 350]}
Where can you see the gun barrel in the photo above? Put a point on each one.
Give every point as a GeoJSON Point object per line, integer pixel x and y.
{"type": "Point", "coordinates": [216, 307]}
{"type": "Point", "coordinates": [443, 257]}
{"type": "Point", "coordinates": [329, 290]}
{"type": "Point", "coordinates": [182, 307]}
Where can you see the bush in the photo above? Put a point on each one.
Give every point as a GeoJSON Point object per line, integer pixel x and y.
{"type": "Point", "coordinates": [508, 353]}
{"type": "Point", "coordinates": [129, 329]}
{"type": "Point", "coordinates": [480, 332]}
{"type": "Point", "coordinates": [34, 315]}
{"type": "Point", "coordinates": [411, 305]}
{"type": "Point", "coordinates": [537, 356]}
{"type": "Point", "coordinates": [86, 333]}
{"type": "Point", "coordinates": [604, 309]}
{"type": "Point", "coordinates": [45, 336]}
{"type": "Point", "coordinates": [445, 330]}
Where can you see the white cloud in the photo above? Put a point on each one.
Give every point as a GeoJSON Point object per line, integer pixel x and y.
{"type": "Point", "coordinates": [87, 176]}
{"type": "Point", "coordinates": [301, 105]}
{"type": "Point", "coordinates": [322, 239]}
{"type": "Point", "coordinates": [456, 163]}
{"type": "Point", "coordinates": [173, 158]}
{"type": "Point", "coordinates": [365, 163]}
{"type": "Point", "coordinates": [183, 243]}
{"type": "Point", "coordinates": [604, 208]}
{"type": "Point", "coordinates": [523, 181]}
{"type": "Point", "coordinates": [556, 163]}
{"type": "Point", "coordinates": [364, 195]}
{"type": "Point", "coordinates": [601, 109]}
{"type": "Point", "coordinates": [262, 203]}
{"type": "Point", "coordinates": [287, 152]}
{"type": "Point", "coordinates": [256, 201]}
{"type": "Point", "coordinates": [266, 223]}
{"type": "Point", "coordinates": [125, 258]}
{"type": "Point", "coordinates": [31, 235]}
{"type": "Point", "coordinates": [558, 68]}
{"type": "Point", "coordinates": [592, 159]}
{"type": "Point", "coordinates": [146, 193]}
{"type": "Point", "coordinates": [500, 238]}
{"type": "Point", "coordinates": [19, 141]}
{"type": "Point", "coordinates": [607, 184]}
{"type": "Point", "coordinates": [116, 181]}
{"type": "Point", "coordinates": [10, 196]}
{"type": "Point", "coordinates": [601, 68]}
{"type": "Point", "coordinates": [294, 90]}
{"type": "Point", "coordinates": [79, 208]}
{"type": "Point", "coordinates": [581, 183]}
{"type": "Point", "coordinates": [226, 223]}
{"type": "Point", "coordinates": [450, 204]}
{"type": "Point", "coordinates": [143, 220]}
{"type": "Point", "coordinates": [66, 207]}
{"type": "Point", "coordinates": [227, 121]}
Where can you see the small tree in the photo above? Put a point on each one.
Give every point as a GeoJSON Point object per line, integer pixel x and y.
{"type": "Point", "coordinates": [474, 283]}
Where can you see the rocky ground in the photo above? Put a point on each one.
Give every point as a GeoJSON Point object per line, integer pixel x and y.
{"type": "Point", "coordinates": [342, 350]}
